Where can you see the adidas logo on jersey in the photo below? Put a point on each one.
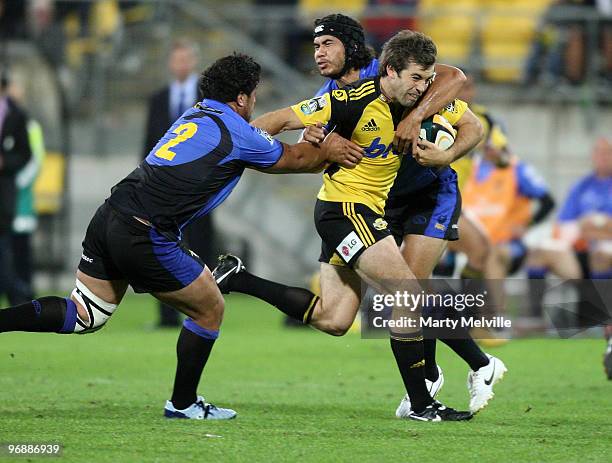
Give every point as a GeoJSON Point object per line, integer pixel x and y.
{"type": "Point", "coordinates": [370, 127]}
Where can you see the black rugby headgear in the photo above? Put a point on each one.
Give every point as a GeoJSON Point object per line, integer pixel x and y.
{"type": "Point", "coordinates": [348, 31]}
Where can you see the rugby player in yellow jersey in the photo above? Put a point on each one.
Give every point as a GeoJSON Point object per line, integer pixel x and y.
{"type": "Point", "coordinates": [357, 243]}
{"type": "Point", "coordinates": [340, 54]}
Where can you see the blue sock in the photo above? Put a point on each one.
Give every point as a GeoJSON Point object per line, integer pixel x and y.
{"type": "Point", "coordinates": [536, 273]}
{"type": "Point", "coordinates": [605, 275]}
{"type": "Point", "coordinates": [192, 351]}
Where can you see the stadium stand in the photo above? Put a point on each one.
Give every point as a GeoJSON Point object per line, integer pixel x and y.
{"type": "Point", "coordinates": [500, 31]}
{"type": "Point", "coordinates": [506, 37]}
{"type": "Point", "coordinates": [451, 25]}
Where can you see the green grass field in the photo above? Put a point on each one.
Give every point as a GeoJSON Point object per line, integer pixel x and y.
{"type": "Point", "coordinates": [299, 394]}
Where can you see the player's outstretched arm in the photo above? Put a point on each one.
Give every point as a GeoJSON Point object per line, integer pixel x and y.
{"type": "Point", "coordinates": [469, 133]}
{"type": "Point", "coordinates": [442, 90]}
{"type": "Point", "coordinates": [278, 121]}
{"type": "Point", "coordinates": [306, 157]}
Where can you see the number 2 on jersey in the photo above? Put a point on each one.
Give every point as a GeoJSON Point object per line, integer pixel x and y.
{"type": "Point", "coordinates": [183, 132]}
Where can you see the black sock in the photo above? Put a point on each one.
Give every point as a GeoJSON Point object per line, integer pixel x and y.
{"type": "Point", "coordinates": [408, 353]}
{"type": "Point", "coordinates": [50, 314]}
{"type": "Point", "coordinates": [468, 350]}
{"type": "Point", "coordinates": [536, 288]}
{"type": "Point", "coordinates": [431, 367]}
{"type": "Point", "coordinates": [298, 303]}
{"type": "Point", "coordinates": [192, 351]}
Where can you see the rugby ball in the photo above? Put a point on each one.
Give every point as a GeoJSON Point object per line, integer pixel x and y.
{"type": "Point", "coordinates": [439, 131]}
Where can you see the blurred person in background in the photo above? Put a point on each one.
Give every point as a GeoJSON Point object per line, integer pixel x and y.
{"type": "Point", "coordinates": [501, 193]}
{"type": "Point", "coordinates": [15, 152]}
{"type": "Point", "coordinates": [45, 28]}
{"type": "Point", "coordinates": [164, 107]}
{"type": "Point", "coordinates": [25, 221]}
{"type": "Point", "coordinates": [582, 244]}
{"type": "Point", "coordinates": [573, 35]}
{"type": "Point", "coordinates": [473, 240]}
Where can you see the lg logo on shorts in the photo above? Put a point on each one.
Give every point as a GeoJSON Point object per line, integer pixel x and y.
{"type": "Point", "coordinates": [349, 246]}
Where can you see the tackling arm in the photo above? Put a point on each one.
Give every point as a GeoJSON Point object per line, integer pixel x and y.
{"type": "Point", "coordinates": [306, 157]}
{"type": "Point", "coordinates": [469, 133]}
{"type": "Point", "coordinates": [278, 121]}
{"type": "Point", "coordinates": [442, 90]}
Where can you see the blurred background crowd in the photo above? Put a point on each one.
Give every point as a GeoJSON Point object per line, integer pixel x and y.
{"type": "Point", "coordinates": [89, 86]}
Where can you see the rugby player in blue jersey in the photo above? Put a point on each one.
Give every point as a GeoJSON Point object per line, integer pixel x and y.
{"type": "Point", "coordinates": [134, 238]}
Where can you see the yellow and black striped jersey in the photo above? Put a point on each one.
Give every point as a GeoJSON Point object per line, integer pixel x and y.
{"type": "Point", "coordinates": [362, 114]}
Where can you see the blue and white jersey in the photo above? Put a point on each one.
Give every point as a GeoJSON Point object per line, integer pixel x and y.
{"type": "Point", "coordinates": [194, 167]}
{"type": "Point", "coordinates": [591, 194]}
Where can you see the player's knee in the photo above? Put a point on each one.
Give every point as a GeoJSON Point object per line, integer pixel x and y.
{"type": "Point", "coordinates": [91, 312]}
{"type": "Point", "coordinates": [211, 312]}
{"type": "Point", "coordinates": [338, 327]}
{"type": "Point", "coordinates": [536, 257]}
{"type": "Point", "coordinates": [218, 308]}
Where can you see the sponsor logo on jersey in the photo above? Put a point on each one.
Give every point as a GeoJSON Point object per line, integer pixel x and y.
{"type": "Point", "coordinates": [86, 259]}
{"type": "Point", "coordinates": [377, 149]}
{"type": "Point", "coordinates": [380, 224]}
{"type": "Point", "coordinates": [450, 107]}
{"type": "Point", "coordinates": [340, 95]}
{"type": "Point", "coordinates": [349, 246]}
{"type": "Point", "coordinates": [264, 134]}
{"type": "Point", "coordinates": [370, 126]}
{"type": "Point", "coordinates": [313, 105]}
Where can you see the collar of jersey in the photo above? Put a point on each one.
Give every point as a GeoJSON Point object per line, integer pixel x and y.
{"type": "Point", "coordinates": [218, 105]}
{"type": "Point", "coordinates": [227, 109]}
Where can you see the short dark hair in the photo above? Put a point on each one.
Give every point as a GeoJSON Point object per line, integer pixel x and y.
{"type": "Point", "coordinates": [229, 76]}
{"type": "Point", "coordinates": [407, 47]}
